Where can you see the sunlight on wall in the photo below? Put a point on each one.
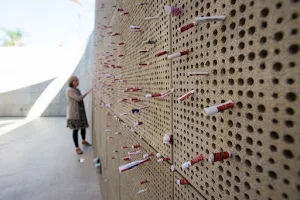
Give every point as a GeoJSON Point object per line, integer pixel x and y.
{"type": "Point", "coordinates": [54, 87]}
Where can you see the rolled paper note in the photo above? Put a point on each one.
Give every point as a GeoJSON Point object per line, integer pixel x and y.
{"type": "Point", "coordinates": [173, 168]}
{"type": "Point", "coordinates": [122, 114]}
{"type": "Point", "coordinates": [133, 152]}
{"type": "Point", "coordinates": [143, 51]}
{"type": "Point", "coordinates": [136, 146]}
{"type": "Point", "coordinates": [144, 181]}
{"type": "Point", "coordinates": [163, 95]}
{"type": "Point", "coordinates": [134, 27]}
{"type": "Point", "coordinates": [142, 191]}
{"type": "Point", "coordinates": [147, 155]}
{"type": "Point", "coordinates": [115, 151]}
{"type": "Point", "coordinates": [186, 27]}
{"type": "Point", "coordinates": [136, 100]}
{"type": "Point", "coordinates": [182, 98]}
{"type": "Point", "coordinates": [135, 30]}
{"type": "Point", "coordinates": [117, 133]}
{"type": "Point", "coordinates": [137, 123]}
{"type": "Point", "coordinates": [176, 55]}
{"type": "Point", "coordinates": [163, 159]}
{"type": "Point", "coordinates": [192, 162]}
{"type": "Point", "coordinates": [127, 158]}
{"type": "Point", "coordinates": [168, 138]}
{"type": "Point", "coordinates": [151, 18]}
{"type": "Point", "coordinates": [123, 100]}
{"type": "Point", "coordinates": [131, 165]}
{"type": "Point", "coordinates": [107, 130]}
{"type": "Point", "coordinates": [132, 89]}
{"type": "Point", "coordinates": [108, 75]}
{"type": "Point", "coordinates": [197, 74]}
{"type": "Point", "coordinates": [174, 11]}
{"type": "Point", "coordinates": [218, 108]}
{"type": "Point", "coordinates": [114, 34]}
{"type": "Point", "coordinates": [209, 19]}
{"type": "Point", "coordinates": [153, 95]}
{"type": "Point", "coordinates": [148, 95]}
{"type": "Point", "coordinates": [182, 182]}
{"type": "Point", "coordinates": [124, 13]}
{"type": "Point", "coordinates": [220, 156]}
{"type": "Point", "coordinates": [161, 53]}
{"type": "Point", "coordinates": [128, 89]}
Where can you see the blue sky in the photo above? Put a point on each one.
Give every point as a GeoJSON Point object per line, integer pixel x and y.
{"type": "Point", "coordinates": [49, 22]}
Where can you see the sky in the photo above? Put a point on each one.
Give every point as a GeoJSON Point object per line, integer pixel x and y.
{"type": "Point", "coordinates": [48, 23]}
{"type": "Point", "coordinates": [56, 36]}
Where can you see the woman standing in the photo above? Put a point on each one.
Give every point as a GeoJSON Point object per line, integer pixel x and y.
{"type": "Point", "coordinates": [76, 117]}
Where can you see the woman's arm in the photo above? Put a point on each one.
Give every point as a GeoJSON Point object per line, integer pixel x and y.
{"type": "Point", "coordinates": [73, 95]}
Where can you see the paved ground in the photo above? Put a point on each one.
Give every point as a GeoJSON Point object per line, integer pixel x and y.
{"type": "Point", "coordinates": [38, 162]}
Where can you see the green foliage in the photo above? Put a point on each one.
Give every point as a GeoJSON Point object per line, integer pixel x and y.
{"type": "Point", "coordinates": [13, 38]}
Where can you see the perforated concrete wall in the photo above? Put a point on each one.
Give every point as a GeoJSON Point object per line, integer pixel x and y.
{"type": "Point", "coordinates": [251, 58]}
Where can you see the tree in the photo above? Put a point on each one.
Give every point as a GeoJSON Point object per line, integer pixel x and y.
{"type": "Point", "coordinates": [13, 38]}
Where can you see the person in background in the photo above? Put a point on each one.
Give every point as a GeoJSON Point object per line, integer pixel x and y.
{"type": "Point", "coordinates": [76, 117]}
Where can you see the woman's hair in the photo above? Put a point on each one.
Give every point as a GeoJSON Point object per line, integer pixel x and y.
{"type": "Point", "coordinates": [71, 79]}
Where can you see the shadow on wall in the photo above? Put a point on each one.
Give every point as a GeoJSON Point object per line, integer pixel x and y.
{"type": "Point", "coordinates": [17, 103]}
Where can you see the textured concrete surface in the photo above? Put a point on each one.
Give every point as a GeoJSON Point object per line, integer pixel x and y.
{"type": "Point", "coordinates": [17, 103]}
{"type": "Point", "coordinates": [252, 58]}
{"type": "Point", "coordinates": [38, 161]}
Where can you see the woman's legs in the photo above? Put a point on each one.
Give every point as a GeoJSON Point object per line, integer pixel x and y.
{"type": "Point", "coordinates": [83, 134]}
{"type": "Point", "coordinates": [85, 143]}
{"type": "Point", "coordinates": [75, 138]}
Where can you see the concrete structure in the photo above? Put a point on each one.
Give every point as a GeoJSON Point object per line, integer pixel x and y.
{"type": "Point", "coordinates": [17, 103]}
